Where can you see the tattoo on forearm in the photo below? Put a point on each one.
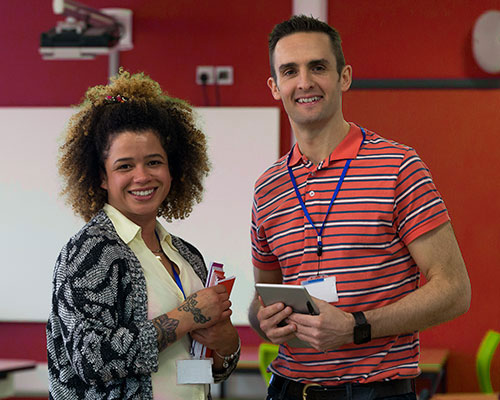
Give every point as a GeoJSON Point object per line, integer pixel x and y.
{"type": "Point", "coordinates": [190, 306]}
{"type": "Point", "coordinates": [165, 329]}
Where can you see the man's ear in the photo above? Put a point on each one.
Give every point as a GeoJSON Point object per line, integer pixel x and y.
{"type": "Point", "coordinates": [275, 91]}
{"type": "Point", "coordinates": [346, 78]}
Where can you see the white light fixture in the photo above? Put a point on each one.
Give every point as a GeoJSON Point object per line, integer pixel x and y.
{"type": "Point", "coordinates": [316, 8]}
{"type": "Point", "coordinates": [486, 41]}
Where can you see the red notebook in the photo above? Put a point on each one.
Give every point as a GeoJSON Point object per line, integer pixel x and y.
{"type": "Point", "coordinates": [215, 277]}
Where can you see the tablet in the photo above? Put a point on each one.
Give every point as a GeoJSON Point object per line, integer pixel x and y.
{"type": "Point", "coordinates": [295, 296]}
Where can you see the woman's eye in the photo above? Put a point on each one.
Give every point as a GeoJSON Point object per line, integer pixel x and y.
{"type": "Point", "coordinates": [124, 166]}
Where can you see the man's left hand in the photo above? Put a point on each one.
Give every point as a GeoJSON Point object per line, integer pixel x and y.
{"type": "Point", "coordinates": [327, 331]}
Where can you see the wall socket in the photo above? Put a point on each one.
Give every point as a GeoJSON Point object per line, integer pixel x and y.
{"type": "Point", "coordinates": [210, 75]}
{"type": "Point", "coordinates": [205, 75]}
{"type": "Point", "coordinates": [224, 75]}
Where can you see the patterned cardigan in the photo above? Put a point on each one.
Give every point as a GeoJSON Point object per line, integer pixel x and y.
{"type": "Point", "coordinates": [100, 343]}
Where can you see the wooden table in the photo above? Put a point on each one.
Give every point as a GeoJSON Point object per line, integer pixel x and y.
{"type": "Point", "coordinates": [466, 396]}
{"type": "Point", "coordinates": [7, 369]}
{"type": "Point", "coordinates": [433, 366]}
{"type": "Point", "coordinates": [249, 359]}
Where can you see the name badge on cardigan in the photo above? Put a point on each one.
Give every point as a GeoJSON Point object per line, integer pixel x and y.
{"type": "Point", "coordinates": [190, 372]}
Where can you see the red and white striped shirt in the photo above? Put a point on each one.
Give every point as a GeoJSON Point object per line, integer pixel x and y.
{"type": "Point", "coordinates": [387, 200]}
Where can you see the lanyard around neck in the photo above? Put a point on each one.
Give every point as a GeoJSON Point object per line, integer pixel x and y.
{"type": "Point", "coordinates": [319, 232]}
{"type": "Point", "coordinates": [177, 278]}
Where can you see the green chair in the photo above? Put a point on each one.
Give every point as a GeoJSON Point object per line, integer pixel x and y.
{"type": "Point", "coordinates": [484, 356]}
{"type": "Point", "coordinates": [267, 353]}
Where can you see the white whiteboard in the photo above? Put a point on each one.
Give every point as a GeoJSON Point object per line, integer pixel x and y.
{"type": "Point", "coordinates": [35, 222]}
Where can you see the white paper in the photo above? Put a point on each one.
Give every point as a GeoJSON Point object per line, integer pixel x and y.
{"type": "Point", "coordinates": [191, 372]}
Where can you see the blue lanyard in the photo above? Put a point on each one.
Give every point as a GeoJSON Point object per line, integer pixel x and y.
{"type": "Point", "coordinates": [319, 233]}
{"type": "Point", "coordinates": [177, 278]}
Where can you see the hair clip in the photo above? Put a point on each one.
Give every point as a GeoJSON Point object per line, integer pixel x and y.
{"type": "Point", "coordinates": [116, 99]}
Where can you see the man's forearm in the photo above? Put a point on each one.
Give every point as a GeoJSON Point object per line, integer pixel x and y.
{"type": "Point", "coordinates": [445, 296]}
{"type": "Point", "coordinates": [430, 305]}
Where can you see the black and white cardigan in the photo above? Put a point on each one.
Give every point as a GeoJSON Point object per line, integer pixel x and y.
{"type": "Point", "coordinates": [100, 343]}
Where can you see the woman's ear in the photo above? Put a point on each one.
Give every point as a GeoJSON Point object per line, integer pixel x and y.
{"type": "Point", "coordinates": [104, 180]}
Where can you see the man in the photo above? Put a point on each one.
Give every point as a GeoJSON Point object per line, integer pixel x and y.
{"type": "Point", "coordinates": [360, 213]}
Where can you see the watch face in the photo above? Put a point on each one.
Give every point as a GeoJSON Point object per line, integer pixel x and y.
{"type": "Point", "coordinates": [362, 334]}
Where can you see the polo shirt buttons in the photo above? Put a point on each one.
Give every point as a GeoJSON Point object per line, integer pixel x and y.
{"type": "Point", "coordinates": [311, 193]}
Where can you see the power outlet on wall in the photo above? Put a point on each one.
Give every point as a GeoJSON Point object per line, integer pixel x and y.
{"type": "Point", "coordinates": [218, 75]}
{"type": "Point", "coordinates": [224, 75]}
{"type": "Point", "coordinates": [205, 75]}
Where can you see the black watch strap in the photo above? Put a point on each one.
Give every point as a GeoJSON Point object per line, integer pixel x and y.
{"type": "Point", "coordinates": [359, 318]}
{"type": "Point", "coordinates": [362, 329]}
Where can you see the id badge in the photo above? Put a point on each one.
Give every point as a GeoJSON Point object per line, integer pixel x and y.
{"type": "Point", "coordinates": [324, 288]}
{"type": "Point", "coordinates": [193, 371]}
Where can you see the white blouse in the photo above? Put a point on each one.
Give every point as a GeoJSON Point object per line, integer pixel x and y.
{"type": "Point", "coordinates": [163, 295]}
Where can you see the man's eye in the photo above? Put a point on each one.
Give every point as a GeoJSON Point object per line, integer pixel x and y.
{"type": "Point", "coordinates": [319, 68]}
{"type": "Point", "coordinates": [288, 72]}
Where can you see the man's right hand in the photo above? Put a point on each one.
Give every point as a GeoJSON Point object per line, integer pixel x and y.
{"type": "Point", "coordinates": [270, 319]}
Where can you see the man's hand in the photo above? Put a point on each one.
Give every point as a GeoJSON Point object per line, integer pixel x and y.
{"type": "Point", "coordinates": [269, 320]}
{"type": "Point", "coordinates": [328, 331]}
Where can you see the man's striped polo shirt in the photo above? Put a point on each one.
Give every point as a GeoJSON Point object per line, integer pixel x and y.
{"type": "Point", "coordinates": [387, 200]}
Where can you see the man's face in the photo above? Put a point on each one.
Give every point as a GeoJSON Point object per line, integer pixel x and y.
{"type": "Point", "coordinates": [307, 81]}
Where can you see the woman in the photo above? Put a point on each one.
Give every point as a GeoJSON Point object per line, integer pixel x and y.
{"type": "Point", "coordinates": [128, 297]}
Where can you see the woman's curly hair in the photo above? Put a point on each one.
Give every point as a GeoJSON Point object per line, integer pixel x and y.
{"type": "Point", "coordinates": [147, 108]}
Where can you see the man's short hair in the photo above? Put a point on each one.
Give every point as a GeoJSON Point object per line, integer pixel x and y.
{"type": "Point", "coordinates": [303, 23]}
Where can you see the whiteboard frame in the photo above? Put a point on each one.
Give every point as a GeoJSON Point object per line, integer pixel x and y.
{"type": "Point", "coordinates": [243, 142]}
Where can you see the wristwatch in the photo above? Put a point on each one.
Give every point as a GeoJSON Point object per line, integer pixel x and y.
{"type": "Point", "coordinates": [362, 329]}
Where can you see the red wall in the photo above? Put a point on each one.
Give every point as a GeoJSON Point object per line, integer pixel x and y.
{"type": "Point", "coordinates": [454, 131]}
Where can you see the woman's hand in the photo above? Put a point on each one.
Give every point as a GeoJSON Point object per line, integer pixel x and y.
{"type": "Point", "coordinates": [200, 310]}
{"type": "Point", "coordinates": [206, 307]}
{"type": "Point", "coordinates": [221, 337]}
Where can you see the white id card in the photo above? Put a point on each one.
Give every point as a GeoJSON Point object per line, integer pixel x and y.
{"type": "Point", "coordinates": [323, 288]}
{"type": "Point", "coordinates": [194, 371]}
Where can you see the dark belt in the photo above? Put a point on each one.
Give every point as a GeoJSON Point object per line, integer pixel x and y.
{"type": "Point", "coordinates": [345, 391]}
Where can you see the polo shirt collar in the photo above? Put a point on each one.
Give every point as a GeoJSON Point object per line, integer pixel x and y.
{"type": "Point", "coordinates": [346, 150]}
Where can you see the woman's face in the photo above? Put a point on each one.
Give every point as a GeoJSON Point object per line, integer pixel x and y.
{"type": "Point", "coordinates": [136, 177]}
